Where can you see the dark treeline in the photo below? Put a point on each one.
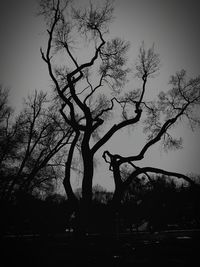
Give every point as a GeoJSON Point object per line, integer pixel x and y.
{"type": "Point", "coordinates": [145, 207]}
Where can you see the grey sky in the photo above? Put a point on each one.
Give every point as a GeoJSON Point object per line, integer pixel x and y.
{"type": "Point", "coordinates": [172, 25]}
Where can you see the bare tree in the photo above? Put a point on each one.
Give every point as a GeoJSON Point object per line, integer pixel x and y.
{"type": "Point", "coordinates": [38, 135]}
{"type": "Point", "coordinates": [84, 107]}
{"type": "Point", "coordinates": [7, 141]}
{"type": "Point", "coordinates": [81, 89]}
{"type": "Point", "coordinates": [5, 117]}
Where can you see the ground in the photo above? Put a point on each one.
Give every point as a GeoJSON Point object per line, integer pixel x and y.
{"type": "Point", "coordinates": [167, 248]}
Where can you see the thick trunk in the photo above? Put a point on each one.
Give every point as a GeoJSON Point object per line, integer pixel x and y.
{"type": "Point", "coordinates": [85, 208]}
{"type": "Point", "coordinates": [66, 182]}
{"type": "Point", "coordinates": [67, 185]}
{"type": "Point", "coordinates": [87, 179]}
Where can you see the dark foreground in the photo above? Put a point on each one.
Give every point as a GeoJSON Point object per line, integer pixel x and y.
{"type": "Point", "coordinates": [172, 248]}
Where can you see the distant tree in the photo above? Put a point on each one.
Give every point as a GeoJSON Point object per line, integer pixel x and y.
{"type": "Point", "coordinates": [5, 114]}
{"type": "Point", "coordinates": [8, 142]}
{"type": "Point", "coordinates": [37, 135]}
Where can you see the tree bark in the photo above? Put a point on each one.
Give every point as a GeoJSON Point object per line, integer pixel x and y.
{"type": "Point", "coordinates": [85, 209]}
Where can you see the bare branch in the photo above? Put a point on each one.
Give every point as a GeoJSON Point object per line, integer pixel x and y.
{"type": "Point", "coordinates": [114, 129]}
{"type": "Point", "coordinates": [139, 171]}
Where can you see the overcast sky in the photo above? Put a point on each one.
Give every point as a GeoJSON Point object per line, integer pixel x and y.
{"type": "Point", "coordinates": [172, 25]}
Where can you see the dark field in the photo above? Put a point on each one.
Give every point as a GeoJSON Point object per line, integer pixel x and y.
{"type": "Point", "coordinates": [167, 248]}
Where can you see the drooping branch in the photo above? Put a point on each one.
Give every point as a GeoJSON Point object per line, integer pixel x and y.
{"type": "Point", "coordinates": [144, 170]}
{"type": "Point", "coordinates": [114, 166]}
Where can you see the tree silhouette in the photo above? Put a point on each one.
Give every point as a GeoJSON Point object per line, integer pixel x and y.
{"type": "Point", "coordinates": [29, 146]}
{"type": "Point", "coordinates": [7, 140]}
{"type": "Point", "coordinates": [86, 106]}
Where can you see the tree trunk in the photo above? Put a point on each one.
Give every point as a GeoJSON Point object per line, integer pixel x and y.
{"type": "Point", "coordinates": [85, 208]}
{"type": "Point", "coordinates": [67, 185]}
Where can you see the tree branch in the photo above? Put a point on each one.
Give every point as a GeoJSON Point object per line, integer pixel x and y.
{"type": "Point", "coordinates": [156, 139]}
{"type": "Point", "coordinates": [114, 129]}
{"type": "Point", "coordinates": [144, 170]}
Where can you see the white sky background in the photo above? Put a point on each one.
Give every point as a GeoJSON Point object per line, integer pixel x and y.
{"type": "Point", "coordinates": [172, 25]}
